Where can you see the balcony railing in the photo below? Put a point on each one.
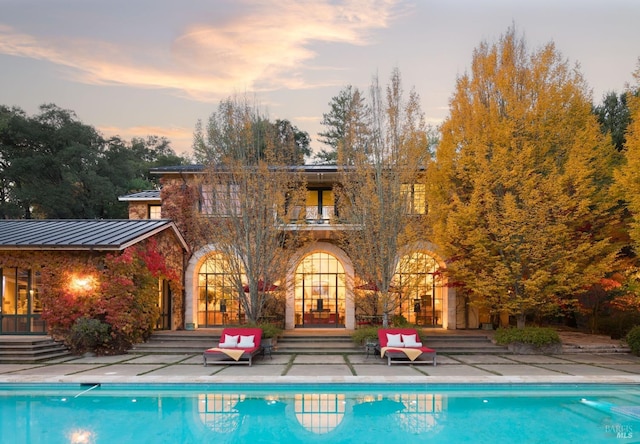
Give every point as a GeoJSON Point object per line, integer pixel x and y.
{"type": "Point", "coordinates": [313, 215]}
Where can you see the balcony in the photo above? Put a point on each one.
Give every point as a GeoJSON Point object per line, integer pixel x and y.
{"type": "Point", "coordinates": [317, 219]}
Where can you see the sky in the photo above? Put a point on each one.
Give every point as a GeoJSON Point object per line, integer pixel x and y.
{"type": "Point", "coordinates": [135, 68]}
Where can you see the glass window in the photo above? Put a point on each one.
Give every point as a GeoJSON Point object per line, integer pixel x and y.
{"type": "Point", "coordinates": [320, 293]}
{"type": "Point", "coordinates": [320, 205]}
{"type": "Point", "coordinates": [415, 196]}
{"type": "Point", "coordinates": [218, 303]}
{"type": "Point", "coordinates": [155, 212]}
{"type": "Point", "coordinates": [220, 200]}
{"type": "Point", "coordinates": [419, 278]}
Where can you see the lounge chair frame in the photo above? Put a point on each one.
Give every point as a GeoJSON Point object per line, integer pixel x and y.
{"type": "Point", "coordinates": [397, 356]}
{"type": "Point", "coordinates": [217, 357]}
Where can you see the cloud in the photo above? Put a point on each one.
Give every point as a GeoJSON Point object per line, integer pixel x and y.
{"type": "Point", "coordinates": [264, 45]}
{"type": "Point", "coordinates": [181, 138]}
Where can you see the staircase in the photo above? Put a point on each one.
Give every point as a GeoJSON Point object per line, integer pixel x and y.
{"type": "Point", "coordinates": [456, 344]}
{"type": "Point", "coordinates": [178, 342]}
{"type": "Point", "coordinates": [30, 349]}
{"type": "Point", "coordinates": [310, 341]}
{"type": "Point", "coordinates": [317, 342]}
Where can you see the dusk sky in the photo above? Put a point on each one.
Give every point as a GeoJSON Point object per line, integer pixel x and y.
{"type": "Point", "coordinates": [141, 67]}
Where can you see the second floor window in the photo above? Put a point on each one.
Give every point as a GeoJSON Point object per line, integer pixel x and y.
{"type": "Point", "coordinates": [220, 200]}
{"type": "Point", "coordinates": [415, 196]}
{"type": "Point", "coordinates": [155, 212]}
{"type": "Point", "coordinates": [320, 205]}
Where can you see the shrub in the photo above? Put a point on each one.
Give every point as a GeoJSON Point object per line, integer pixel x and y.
{"type": "Point", "coordinates": [270, 330]}
{"type": "Point", "coordinates": [399, 321]}
{"type": "Point", "coordinates": [366, 334]}
{"type": "Point", "coordinates": [88, 335]}
{"type": "Point", "coordinates": [618, 324]}
{"type": "Point", "coordinates": [537, 336]}
{"type": "Point", "coordinates": [633, 340]}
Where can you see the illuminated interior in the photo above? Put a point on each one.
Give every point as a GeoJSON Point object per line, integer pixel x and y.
{"type": "Point", "coordinates": [320, 292]}
{"type": "Point", "coordinates": [319, 413]}
{"type": "Point", "coordinates": [218, 411]}
{"type": "Point", "coordinates": [218, 303]}
{"type": "Point", "coordinates": [422, 291]}
{"type": "Point", "coordinates": [421, 412]}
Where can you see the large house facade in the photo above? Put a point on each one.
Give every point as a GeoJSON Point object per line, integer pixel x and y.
{"type": "Point", "coordinates": [322, 289]}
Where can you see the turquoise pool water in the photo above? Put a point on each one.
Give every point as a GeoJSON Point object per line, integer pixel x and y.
{"type": "Point", "coordinates": [119, 413]}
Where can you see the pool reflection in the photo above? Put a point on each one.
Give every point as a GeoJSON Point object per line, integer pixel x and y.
{"type": "Point", "coordinates": [321, 413]}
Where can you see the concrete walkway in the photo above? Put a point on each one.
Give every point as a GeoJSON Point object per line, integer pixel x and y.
{"type": "Point", "coordinates": [615, 368]}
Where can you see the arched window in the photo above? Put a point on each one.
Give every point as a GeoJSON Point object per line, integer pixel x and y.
{"type": "Point", "coordinates": [218, 302]}
{"type": "Point", "coordinates": [320, 292]}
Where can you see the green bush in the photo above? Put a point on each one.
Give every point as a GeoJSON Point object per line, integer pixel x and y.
{"type": "Point", "coordinates": [363, 335]}
{"type": "Point", "coordinates": [633, 340]}
{"type": "Point", "coordinates": [89, 335]}
{"type": "Point", "coordinates": [399, 321]}
{"type": "Point", "coordinates": [269, 330]}
{"type": "Point", "coordinates": [537, 336]}
{"type": "Point", "coordinates": [618, 324]}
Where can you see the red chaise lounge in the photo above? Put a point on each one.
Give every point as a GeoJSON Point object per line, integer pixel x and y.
{"type": "Point", "coordinates": [403, 346]}
{"type": "Point", "coordinates": [237, 346]}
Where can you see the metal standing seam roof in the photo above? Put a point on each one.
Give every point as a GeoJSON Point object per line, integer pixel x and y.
{"type": "Point", "coordinates": [80, 234]}
{"type": "Point", "coordinates": [142, 195]}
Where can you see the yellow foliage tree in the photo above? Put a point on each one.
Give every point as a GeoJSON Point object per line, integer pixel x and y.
{"type": "Point", "coordinates": [628, 176]}
{"type": "Point", "coordinates": [518, 195]}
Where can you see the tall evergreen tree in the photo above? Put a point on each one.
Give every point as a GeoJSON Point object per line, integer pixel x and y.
{"type": "Point", "coordinates": [345, 125]}
{"type": "Point", "coordinates": [613, 115]}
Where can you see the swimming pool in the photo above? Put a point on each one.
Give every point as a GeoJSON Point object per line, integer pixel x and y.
{"type": "Point", "coordinates": [164, 413]}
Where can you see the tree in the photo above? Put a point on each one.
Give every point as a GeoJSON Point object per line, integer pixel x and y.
{"type": "Point", "coordinates": [613, 116]}
{"type": "Point", "coordinates": [55, 166]}
{"type": "Point", "coordinates": [250, 194]}
{"type": "Point", "coordinates": [519, 192]}
{"type": "Point", "coordinates": [628, 176]}
{"type": "Point", "coordinates": [345, 124]}
{"type": "Point", "coordinates": [221, 135]}
{"type": "Point", "coordinates": [377, 178]}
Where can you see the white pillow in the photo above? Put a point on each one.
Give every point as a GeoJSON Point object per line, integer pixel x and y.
{"type": "Point", "coordinates": [229, 341]}
{"type": "Point", "coordinates": [410, 341]}
{"type": "Point", "coordinates": [246, 342]}
{"type": "Point", "coordinates": [394, 340]}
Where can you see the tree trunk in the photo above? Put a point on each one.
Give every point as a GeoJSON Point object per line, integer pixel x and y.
{"type": "Point", "coordinates": [520, 320]}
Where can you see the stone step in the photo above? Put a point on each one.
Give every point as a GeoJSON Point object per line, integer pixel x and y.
{"type": "Point", "coordinates": [595, 348]}
{"type": "Point", "coordinates": [28, 350]}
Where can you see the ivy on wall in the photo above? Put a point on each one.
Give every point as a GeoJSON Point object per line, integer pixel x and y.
{"type": "Point", "coordinates": [118, 289]}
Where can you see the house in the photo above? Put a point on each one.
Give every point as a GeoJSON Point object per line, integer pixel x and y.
{"type": "Point", "coordinates": [325, 290]}
{"type": "Point", "coordinates": [38, 255]}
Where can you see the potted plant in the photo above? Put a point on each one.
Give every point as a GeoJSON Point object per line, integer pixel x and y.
{"type": "Point", "coordinates": [529, 340]}
{"type": "Point", "coordinates": [270, 333]}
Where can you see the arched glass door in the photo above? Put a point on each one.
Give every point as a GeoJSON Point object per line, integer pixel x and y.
{"type": "Point", "coordinates": [320, 292]}
{"type": "Point", "coordinates": [218, 303]}
{"type": "Point", "coordinates": [420, 279]}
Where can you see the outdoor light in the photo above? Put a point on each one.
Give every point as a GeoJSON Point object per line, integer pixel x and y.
{"type": "Point", "coordinates": [82, 284]}
{"type": "Point", "coordinates": [81, 437]}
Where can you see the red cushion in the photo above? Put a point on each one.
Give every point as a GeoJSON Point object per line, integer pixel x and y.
{"type": "Point", "coordinates": [245, 331]}
{"type": "Point", "coordinates": [382, 335]}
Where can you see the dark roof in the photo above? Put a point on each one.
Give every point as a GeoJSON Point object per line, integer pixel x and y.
{"type": "Point", "coordinates": [199, 168]}
{"type": "Point", "coordinates": [80, 234]}
{"type": "Point", "coordinates": [142, 195]}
